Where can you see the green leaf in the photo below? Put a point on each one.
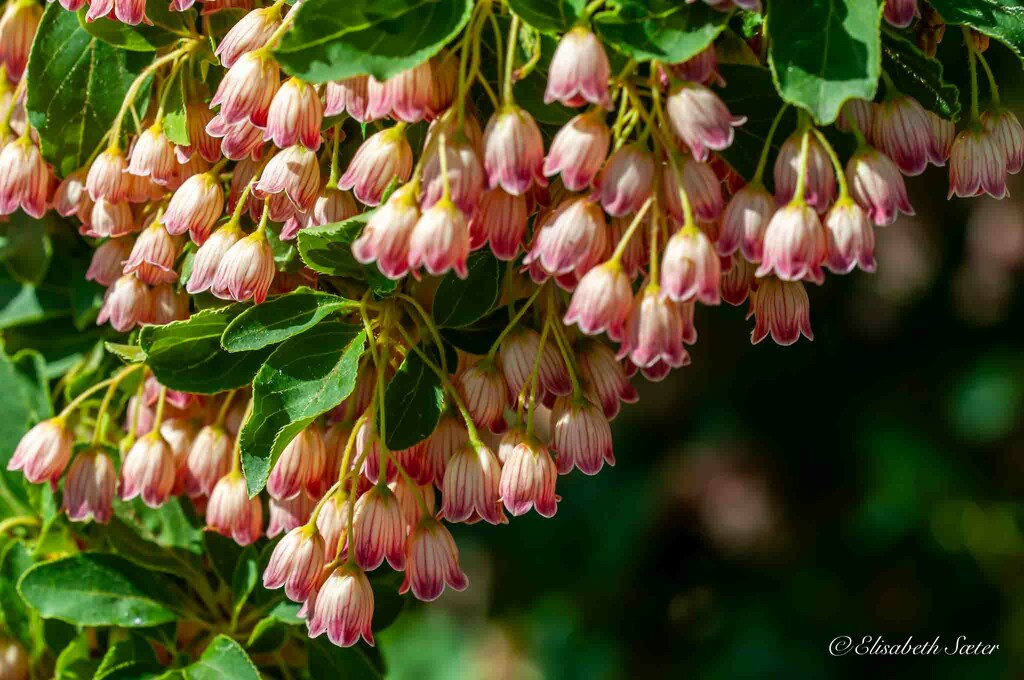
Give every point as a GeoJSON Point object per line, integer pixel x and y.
{"type": "Point", "coordinates": [98, 589]}
{"type": "Point", "coordinates": [19, 402]}
{"type": "Point", "coordinates": [460, 302]}
{"type": "Point", "coordinates": [176, 112]}
{"type": "Point", "coordinates": [141, 38]}
{"type": "Point", "coordinates": [174, 524]}
{"type": "Point", "coordinates": [359, 662]}
{"type": "Point", "coordinates": [750, 92]}
{"type": "Point", "coordinates": [15, 616]}
{"type": "Point", "coordinates": [1001, 19]}
{"type": "Point", "coordinates": [76, 85]}
{"type": "Point", "coordinates": [223, 553]}
{"type": "Point", "coordinates": [413, 402]}
{"type": "Point", "coordinates": [128, 543]}
{"type": "Point", "coordinates": [824, 52]}
{"type": "Point", "coordinates": [131, 658]}
{"type": "Point", "coordinates": [641, 34]}
{"type": "Point", "coordinates": [244, 578]}
{"type": "Point", "coordinates": [224, 658]}
{"type": "Point", "coordinates": [25, 247]}
{"type": "Point", "coordinates": [130, 354]}
{"type": "Point", "coordinates": [305, 377]}
{"type": "Point", "coordinates": [387, 603]}
{"type": "Point", "coordinates": [331, 40]}
{"type": "Point", "coordinates": [280, 318]}
{"type": "Point", "coordinates": [328, 248]}
{"type": "Point", "coordinates": [918, 75]}
{"type": "Point", "coordinates": [75, 661]}
{"type": "Point", "coordinates": [478, 337]}
{"type": "Point", "coordinates": [187, 355]}
{"type": "Point", "coordinates": [549, 16]}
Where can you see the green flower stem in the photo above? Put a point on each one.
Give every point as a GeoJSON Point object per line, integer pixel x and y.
{"type": "Point", "coordinates": [222, 412]}
{"type": "Point", "coordinates": [762, 162]}
{"type": "Point", "coordinates": [801, 178]}
{"type": "Point", "coordinates": [840, 173]}
{"type": "Point", "coordinates": [434, 332]}
{"type": "Point", "coordinates": [510, 60]}
{"type": "Point", "coordinates": [969, 44]}
{"type": "Point", "coordinates": [77, 401]}
{"type": "Point", "coordinates": [20, 521]}
{"type": "Point", "coordinates": [512, 323]}
{"type": "Point", "coordinates": [100, 431]}
{"type": "Point", "coordinates": [166, 87]}
{"type": "Point", "coordinates": [114, 135]}
{"type": "Point", "coordinates": [129, 439]}
{"type": "Point", "coordinates": [558, 330]}
{"type": "Point", "coordinates": [332, 183]}
{"type": "Point", "coordinates": [158, 419]}
{"type": "Point", "coordinates": [535, 379]}
{"type": "Point", "coordinates": [992, 86]}
{"type": "Point", "coordinates": [623, 243]}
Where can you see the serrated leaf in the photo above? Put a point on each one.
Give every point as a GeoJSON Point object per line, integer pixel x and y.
{"type": "Point", "coordinates": [76, 85]}
{"type": "Point", "coordinates": [130, 354]}
{"type": "Point", "coordinates": [187, 355]}
{"type": "Point", "coordinates": [128, 543]}
{"type": "Point", "coordinates": [644, 34]}
{"type": "Point", "coordinates": [327, 249]}
{"type": "Point", "coordinates": [223, 658]}
{"type": "Point", "coordinates": [98, 589]}
{"type": "Point", "coordinates": [280, 318]}
{"type": "Point", "coordinates": [331, 41]}
{"type": "Point", "coordinates": [413, 402]}
{"type": "Point", "coordinates": [824, 52]}
{"type": "Point", "coordinates": [1001, 19]}
{"type": "Point", "coordinates": [164, 29]}
{"type": "Point", "coordinates": [918, 75]}
{"type": "Point", "coordinates": [129, 658]}
{"type": "Point", "coordinates": [460, 302]}
{"type": "Point", "coordinates": [750, 92]}
{"type": "Point", "coordinates": [549, 16]}
{"type": "Point", "coordinates": [305, 377]}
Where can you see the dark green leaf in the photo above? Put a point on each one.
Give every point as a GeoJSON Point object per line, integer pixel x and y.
{"type": "Point", "coordinates": [128, 543]}
{"type": "Point", "coordinates": [266, 636]}
{"type": "Point", "coordinates": [460, 302]}
{"type": "Point", "coordinates": [130, 354]}
{"type": "Point", "coordinates": [919, 76]}
{"type": "Point", "coordinates": [331, 41]}
{"type": "Point", "coordinates": [76, 85]}
{"type": "Point", "coordinates": [328, 249]}
{"type": "Point", "coordinates": [674, 37]}
{"type": "Point", "coordinates": [75, 661]}
{"type": "Point", "coordinates": [174, 524]}
{"type": "Point", "coordinates": [187, 355]}
{"type": "Point", "coordinates": [223, 553]}
{"type": "Point", "coordinates": [387, 603]}
{"type": "Point", "coordinates": [549, 16]}
{"type": "Point", "coordinates": [15, 560]}
{"type": "Point", "coordinates": [223, 659]}
{"type": "Point", "coordinates": [25, 247]}
{"type": "Point", "coordinates": [1001, 19]}
{"type": "Point", "coordinates": [280, 318]}
{"type": "Point", "coordinates": [824, 52]}
{"type": "Point", "coordinates": [360, 662]}
{"type": "Point", "coordinates": [305, 376]}
{"type": "Point", "coordinates": [245, 577]}
{"type": "Point", "coordinates": [98, 589]}
{"type": "Point", "coordinates": [478, 338]}
{"type": "Point", "coordinates": [141, 38]}
{"type": "Point", "coordinates": [413, 402]}
{"type": "Point", "coordinates": [129, 659]}
{"type": "Point", "coordinates": [19, 411]}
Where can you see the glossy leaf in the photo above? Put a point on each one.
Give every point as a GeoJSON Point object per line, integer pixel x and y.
{"type": "Point", "coordinates": [460, 302]}
{"type": "Point", "coordinates": [305, 377]}
{"type": "Point", "coordinates": [359, 662]}
{"type": "Point", "coordinates": [1001, 19]}
{"type": "Point", "coordinates": [918, 75]}
{"type": "Point", "coordinates": [280, 318]}
{"type": "Point", "coordinates": [642, 33]}
{"type": "Point", "coordinates": [331, 41]}
{"type": "Point", "coordinates": [223, 658]}
{"type": "Point", "coordinates": [128, 658]}
{"type": "Point", "coordinates": [824, 52]}
{"type": "Point", "coordinates": [166, 27]}
{"type": "Point", "coordinates": [15, 560]}
{"type": "Point", "coordinates": [98, 589]}
{"type": "Point", "coordinates": [328, 249]}
{"type": "Point", "coordinates": [25, 247]}
{"type": "Point", "coordinates": [413, 401]}
{"type": "Point", "coordinates": [187, 355]}
{"type": "Point", "coordinates": [549, 16]}
{"type": "Point", "coordinates": [76, 85]}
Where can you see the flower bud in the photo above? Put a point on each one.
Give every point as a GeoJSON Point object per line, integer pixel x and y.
{"type": "Point", "coordinates": [570, 238]}
{"type": "Point", "coordinates": [601, 301]}
{"type": "Point", "coordinates": [943, 133]}
{"type": "Point", "coordinates": [332, 523]}
{"type": "Point", "coordinates": [198, 116]}
{"type": "Point", "coordinates": [856, 114]}
{"type": "Point", "coordinates": [700, 119]}
{"type": "Point", "coordinates": [112, 220]}
{"type": "Point", "coordinates": [579, 150]}
{"type": "Point", "coordinates": [245, 271]}
{"type": "Point", "coordinates": [250, 33]}
{"type": "Point", "coordinates": [626, 181]}
{"type": "Point", "coordinates": [409, 94]}
{"type": "Point", "coordinates": [738, 280]}
{"type": "Point", "coordinates": [209, 459]}
{"type": "Point", "coordinates": [153, 256]}
{"type": "Point", "coordinates": [44, 451]}
{"type": "Point", "coordinates": [70, 194]}
{"type": "Point", "coordinates": [877, 185]}
{"type": "Point", "coordinates": [465, 178]}
{"type": "Point", "coordinates": [516, 357]}
{"type": "Point", "coordinates": [125, 304]}
{"type": "Point", "coordinates": [513, 151]}
{"type": "Point", "coordinates": [440, 241]}
{"type": "Point", "coordinates": [794, 244]}
{"type": "Point", "coordinates": [654, 332]}
{"type": "Point", "coordinates": [239, 141]}
{"type": "Point", "coordinates": [820, 178]}
{"type": "Point", "coordinates": [603, 377]}
{"type": "Point", "coordinates": [232, 513]}
{"type": "Point", "coordinates": [294, 172]}
{"type": "Point", "coordinates": [448, 436]}
{"type": "Point", "coordinates": [528, 477]}
{"type": "Point", "coordinates": [304, 454]}
{"type": "Point", "coordinates": [782, 309]}
{"type": "Point", "coordinates": [386, 236]}
{"type": "Point", "coordinates": [850, 238]}
{"type": "Point", "coordinates": [296, 563]}
{"type": "Point", "coordinates": [701, 68]}
{"type": "Point", "coordinates": [579, 71]}
{"type": "Point", "coordinates": [691, 268]}
{"type": "Point", "coordinates": [295, 116]}
{"type": "Point", "coordinates": [107, 261]}
{"type": "Point", "coordinates": [1008, 135]}
{"type": "Point", "coordinates": [107, 177]}
{"type": "Point", "coordinates": [17, 29]}
{"type": "Point", "coordinates": [977, 164]}
{"type": "Point", "coordinates": [148, 471]}
{"type": "Point", "coordinates": [903, 131]}
{"type": "Point", "coordinates": [745, 219]}
{"type": "Point", "coordinates": [431, 562]}
{"type": "Point", "coordinates": [288, 514]}
{"type": "Point", "coordinates": [209, 256]}
{"type": "Point", "coordinates": [247, 89]}
{"type": "Point", "coordinates": [500, 218]}
{"type": "Point", "coordinates": [343, 607]}
{"type": "Point", "coordinates": [483, 389]}
{"type": "Point", "coordinates": [380, 160]}
{"type": "Point", "coordinates": [153, 156]}
{"type": "Point", "coordinates": [25, 180]}
{"type": "Point", "coordinates": [378, 530]}
{"type": "Point", "coordinates": [471, 486]}
{"type": "Point", "coordinates": [333, 205]}
{"type": "Point", "coordinates": [195, 207]}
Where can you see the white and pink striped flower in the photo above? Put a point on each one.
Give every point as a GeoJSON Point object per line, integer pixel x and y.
{"type": "Point", "coordinates": [528, 477]}
{"type": "Point", "coordinates": [581, 436]}
{"type": "Point", "coordinates": [579, 71]}
{"type": "Point", "coordinates": [380, 160]}
{"type": "Point", "coordinates": [471, 486]}
{"type": "Point", "coordinates": [431, 562]}
{"type": "Point", "coordinates": [148, 471]}
{"type": "Point", "coordinates": [230, 512]}
{"type": "Point", "coordinates": [513, 151]}
{"type": "Point", "coordinates": [296, 563]}
{"type": "Point", "coordinates": [44, 451]}
{"type": "Point", "coordinates": [781, 309]}
{"type": "Point", "coordinates": [378, 530]}
{"type": "Point", "coordinates": [342, 607]}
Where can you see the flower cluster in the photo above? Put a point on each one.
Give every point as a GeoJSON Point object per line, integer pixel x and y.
{"type": "Point", "coordinates": [620, 225]}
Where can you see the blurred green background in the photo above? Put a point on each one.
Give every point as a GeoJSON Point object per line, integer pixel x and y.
{"type": "Point", "coordinates": [767, 500]}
